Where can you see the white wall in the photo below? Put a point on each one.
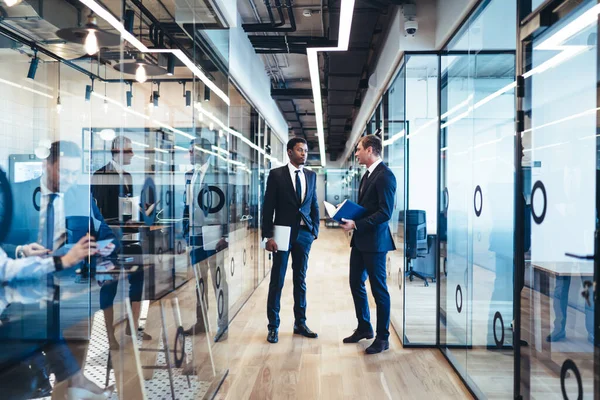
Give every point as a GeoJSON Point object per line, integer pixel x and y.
{"type": "Point", "coordinates": [450, 14]}
{"type": "Point", "coordinates": [395, 44]}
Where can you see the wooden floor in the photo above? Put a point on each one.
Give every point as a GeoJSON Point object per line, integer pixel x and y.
{"type": "Point", "coordinates": [325, 368]}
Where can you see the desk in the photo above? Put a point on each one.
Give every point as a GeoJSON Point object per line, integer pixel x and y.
{"type": "Point", "coordinates": [575, 268]}
{"type": "Point", "coordinates": [543, 272]}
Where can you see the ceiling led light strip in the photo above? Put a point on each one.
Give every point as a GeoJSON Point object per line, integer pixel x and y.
{"type": "Point", "coordinates": [553, 43]}
{"type": "Point", "coordinates": [26, 88]}
{"type": "Point", "coordinates": [346, 14]}
{"type": "Point", "coordinates": [137, 114]}
{"type": "Point", "coordinates": [115, 23]}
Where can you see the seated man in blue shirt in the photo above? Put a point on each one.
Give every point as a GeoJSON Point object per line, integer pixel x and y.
{"type": "Point", "coordinates": [54, 210]}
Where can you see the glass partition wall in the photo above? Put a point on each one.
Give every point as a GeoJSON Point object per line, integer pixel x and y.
{"type": "Point", "coordinates": [394, 129]}
{"type": "Point", "coordinates": [559, 200]}
{"type": "Point", "coordinates": [161, 164]}
{"type": "Point", "coordinates": [496, 227]}
{"type": "Point", "coordinates": [477, 193]}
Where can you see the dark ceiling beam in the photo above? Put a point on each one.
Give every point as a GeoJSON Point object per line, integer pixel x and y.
{"type": "Point", "coordinates": [344, 74]}
{"type": "Point", "coordinates": [289, 94]}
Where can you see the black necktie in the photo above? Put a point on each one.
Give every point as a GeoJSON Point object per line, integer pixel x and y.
{"type": "Point", "coordinates": [49, 231]}
{"type": "Point", "coordinates": [363, 182]}
{"type": "Point", "coordinates": [298, 186]}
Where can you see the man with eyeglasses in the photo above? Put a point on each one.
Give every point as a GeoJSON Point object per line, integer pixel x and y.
{"type": "Point", "coordinates": [111, 181]}
{"type": "Point", "coordinates": [111, 184]}
{"type": "Point", "coordinates": [290, 200]}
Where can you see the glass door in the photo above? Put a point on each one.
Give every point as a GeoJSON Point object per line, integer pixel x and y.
{"type": "Point", "coordinates": [560, 201]}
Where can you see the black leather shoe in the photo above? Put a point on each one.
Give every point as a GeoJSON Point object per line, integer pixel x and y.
{"type": "Point", "coordinates": [358, 335]}
{"type": "Point", "coordinates": [377, 346]}
{"type": "Point", "coordinates": [304, 331]}
{"type": "Point", "coordinates": [272, 336]}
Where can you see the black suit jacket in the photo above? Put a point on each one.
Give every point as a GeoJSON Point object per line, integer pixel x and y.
{"type": "Point", "coordinates": [372, 232]}
{"type": "Point", "coordinates": [282, 203]}
{"type": "Point", "coordinates": [107, 187]}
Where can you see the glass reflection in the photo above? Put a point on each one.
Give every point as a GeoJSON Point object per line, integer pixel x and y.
{"type": "Point", "coordinates": [560, 172]}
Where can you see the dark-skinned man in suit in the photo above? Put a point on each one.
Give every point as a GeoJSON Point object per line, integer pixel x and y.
{"type": "Point", "coordinates": [371, 240]}
{"type": "Point", "coordinates": [290, 200]}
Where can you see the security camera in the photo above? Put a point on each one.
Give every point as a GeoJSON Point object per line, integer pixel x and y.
{"type": "Point", "coordinates": [411, 27]}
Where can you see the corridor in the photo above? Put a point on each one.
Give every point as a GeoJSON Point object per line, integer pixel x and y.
{"type": "Point", "coordinates": [300, 368]}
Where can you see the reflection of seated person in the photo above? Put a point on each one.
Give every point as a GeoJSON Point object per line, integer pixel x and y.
{"type": "Point", "coordinates": [109, 184]}
{"type": "Point", "coordinates": [560, 304]}
{"type": "Point", "coordinates": [21, 283]}
{"type": "Point", "coordinates": [205, 208]}
{"type": "Point", "coordinates": [53, 209]}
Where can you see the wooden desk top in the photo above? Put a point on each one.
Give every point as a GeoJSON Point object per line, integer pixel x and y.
{"type": "Point", "coordinates": [575, 268]}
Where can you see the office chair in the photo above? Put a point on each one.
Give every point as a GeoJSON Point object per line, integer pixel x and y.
{"type": "Point", "coordinates": [416, 241]}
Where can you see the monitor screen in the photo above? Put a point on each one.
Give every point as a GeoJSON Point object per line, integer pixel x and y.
{"type": "Point", "coordinates": [26, 170]}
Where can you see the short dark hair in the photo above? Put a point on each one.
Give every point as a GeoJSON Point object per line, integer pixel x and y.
{"type": "Point", "coordinates": [372, 141]}
{"type": "Point", "coordinates": [294, 141]}
{"type": "Point", "coordinates": [63, 148]}
{"type": "Point", "coordinates": [118, 143]}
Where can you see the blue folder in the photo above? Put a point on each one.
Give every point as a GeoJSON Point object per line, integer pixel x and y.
{"type": "Point", "coordinates": [348, 210]}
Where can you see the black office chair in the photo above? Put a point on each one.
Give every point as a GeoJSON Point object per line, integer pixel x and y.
{"type": "Point", "coordinates": [416, 241]}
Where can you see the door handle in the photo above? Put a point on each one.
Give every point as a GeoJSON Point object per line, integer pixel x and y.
{"type": "Point", "coordinates": [580, 257]}
{"type": "Point", "coordinates": [585, 293]}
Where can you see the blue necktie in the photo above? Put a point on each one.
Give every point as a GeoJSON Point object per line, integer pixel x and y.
{"type": "Point", "coordinates": [298, 187]}
{"type": "Point", "coordinates": [49, 231]}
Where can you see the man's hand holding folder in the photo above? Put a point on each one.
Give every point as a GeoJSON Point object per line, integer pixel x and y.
{"type": "Point", "coordinates": [345, 212]}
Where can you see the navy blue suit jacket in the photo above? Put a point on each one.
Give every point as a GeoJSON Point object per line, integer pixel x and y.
{"type": "Point", "coordinates": [81, 214]}
{"type": "Point", "coordinates": [282, 202]}
{"type": "Point", "coordinates": [372, 232]}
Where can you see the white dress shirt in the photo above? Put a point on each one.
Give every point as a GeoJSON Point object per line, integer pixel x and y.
{"type": "Point", "coordinates": [302, 179]}
{"type": "Point", "coordinates": [60, 229]}
{"type": "Point", "coordinates": [24, 268]}
{"type": "Point", "coordinates": [373, 166]}
{"type": "Point", "coordinates": [117, 167]}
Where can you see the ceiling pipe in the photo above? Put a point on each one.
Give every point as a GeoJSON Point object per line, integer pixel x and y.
{"type": "Point", "coordinates": [269, 28]}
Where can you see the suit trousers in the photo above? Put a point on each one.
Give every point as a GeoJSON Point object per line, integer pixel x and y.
{"type": "Point", "coordinates": [299, 251]}
{"type": "Point", "coordinates": [363, 264]}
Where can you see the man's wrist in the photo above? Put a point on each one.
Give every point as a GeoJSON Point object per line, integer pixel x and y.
{"type": "Point", "coordinates": [59, 264]}
{"type": "Point", "coordinates": [19, 252]}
